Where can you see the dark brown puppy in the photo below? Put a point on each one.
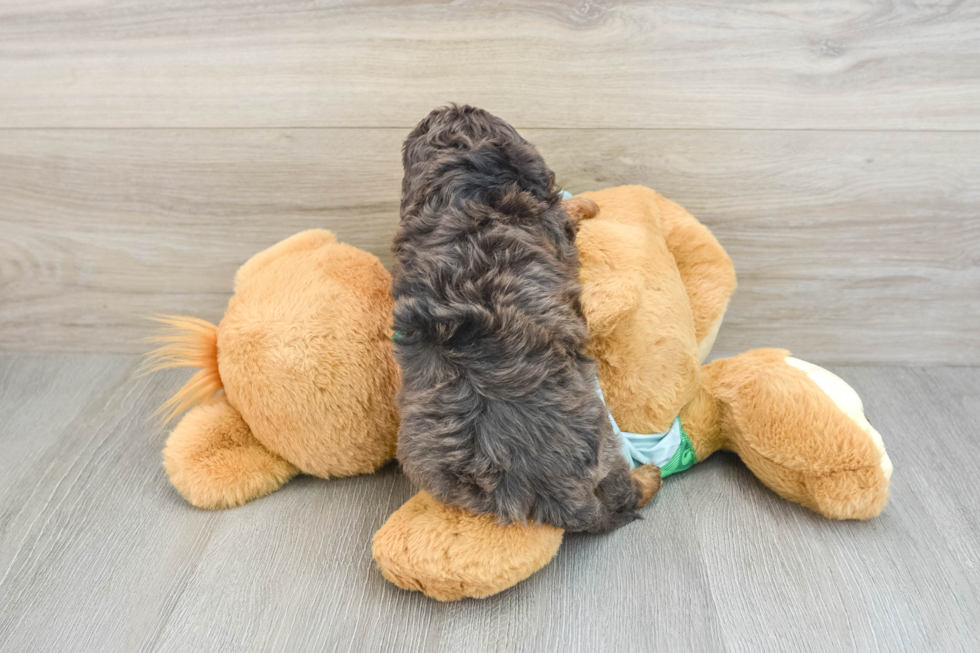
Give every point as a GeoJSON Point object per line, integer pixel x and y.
{"type": "Point", "coordinates": [499, 408]}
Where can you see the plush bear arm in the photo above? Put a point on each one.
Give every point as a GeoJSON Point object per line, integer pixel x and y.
{"type": "Point", "coordinates": [449, 554]}
{"type": "Point", "coordinates": [214, 461]}
{"type": "Point", "coordinates": [610, 254]}
{"type": "Point", "coordinates": [606, 300]}
{"type": "Point", "coordinates": [705, 268]}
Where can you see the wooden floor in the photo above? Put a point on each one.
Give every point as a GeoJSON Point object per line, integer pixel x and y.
{"type": "Point", "coordinates": [99, 553]}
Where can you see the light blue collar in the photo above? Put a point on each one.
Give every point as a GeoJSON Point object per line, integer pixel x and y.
{"type": "Point", "coordinates": [671, 450]}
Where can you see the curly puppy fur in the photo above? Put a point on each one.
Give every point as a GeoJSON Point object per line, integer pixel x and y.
{"type": "Point", "coordinates": [499, 409]}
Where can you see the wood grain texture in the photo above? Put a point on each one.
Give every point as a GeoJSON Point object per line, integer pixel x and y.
{"type": "Point", "coordinates": [850, 247]}
{"type": "Point", "coordinates": [849, 64]}
{"type": "Point", "coordinates": [800, 582]}
{"type": "Point", "coordinates": [98, 552]}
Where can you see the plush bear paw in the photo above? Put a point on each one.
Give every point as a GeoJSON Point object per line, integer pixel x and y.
{"type": "Point", "coordinates": [449, 554]}
{"type": "Point", "coordinates": [214, 461]}
{"type": "Point", "coordinates": [648, 476]}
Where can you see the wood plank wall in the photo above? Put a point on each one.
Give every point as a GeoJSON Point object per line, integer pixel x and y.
{"type": "Point", "coordinates": [147, 149]}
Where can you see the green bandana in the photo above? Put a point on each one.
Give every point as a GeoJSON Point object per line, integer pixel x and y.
{"type": "Point", "coordinates": [683, 458]}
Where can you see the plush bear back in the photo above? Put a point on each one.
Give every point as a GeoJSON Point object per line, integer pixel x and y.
{"type": "Point", "coordinates": [304, 354]}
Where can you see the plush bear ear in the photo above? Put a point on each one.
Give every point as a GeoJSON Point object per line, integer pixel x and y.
{"type": "Point", "coordinates": [580, 208]}
{"type": "Point", "coordinates": [308, 240]}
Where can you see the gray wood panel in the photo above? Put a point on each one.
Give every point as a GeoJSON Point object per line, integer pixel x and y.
{"type": "Point", "coordinates": [905, 581]}
{"type": "Point", "coordinates": [97, 552]}
{"type": "Point", "coordinates": [290, 63]}
{"type": "Point", "coordinates": [850, 247]}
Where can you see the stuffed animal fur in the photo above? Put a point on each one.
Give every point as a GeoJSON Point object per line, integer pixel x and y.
{"type": "Point", "coordinates": [303, 356]}
{"type": "Point", "coordinates": [304, 360]}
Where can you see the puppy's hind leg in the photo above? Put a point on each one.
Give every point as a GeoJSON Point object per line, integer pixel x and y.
{"type": "Point", "coordinates": [622, 491]}
{"type": "Point", "coordinates": [617, 497]}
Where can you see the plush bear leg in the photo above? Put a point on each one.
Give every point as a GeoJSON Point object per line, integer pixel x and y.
{"type": "Point", "coordinates": [449, 554]}
{"type": "Point", "coordinates": [798, 427]}
{"type": "Point", "coordinates": [214, 461]}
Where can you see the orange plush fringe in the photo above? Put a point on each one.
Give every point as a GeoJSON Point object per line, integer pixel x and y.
{"type": "Point", "coordinates": [186, 342]}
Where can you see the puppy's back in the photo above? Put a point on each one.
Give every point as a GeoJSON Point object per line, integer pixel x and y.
{"type": "Point", "coordinates": [498, 407]}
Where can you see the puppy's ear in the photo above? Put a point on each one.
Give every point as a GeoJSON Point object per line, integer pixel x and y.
{"type": "Point", "coordinates": [580, 208]}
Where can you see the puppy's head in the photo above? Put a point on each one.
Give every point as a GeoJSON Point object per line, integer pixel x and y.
{"type": "Point", "coordinates": [462, 153]}
{"type": "Point", "coordinates": [464, 159]}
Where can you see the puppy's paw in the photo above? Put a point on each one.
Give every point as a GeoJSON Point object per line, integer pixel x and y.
{"type": "Point", "coordinates": [580, 208]}
{"type": "Point", "coordinates": [648, 476]}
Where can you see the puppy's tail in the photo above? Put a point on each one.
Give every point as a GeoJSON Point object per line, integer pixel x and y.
{"type": "Point", "coordinates": [186, 342]}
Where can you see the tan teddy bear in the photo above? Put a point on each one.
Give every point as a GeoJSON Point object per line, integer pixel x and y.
{"type": "Point", "coordinates": [304, 360]}
{"type": "Point", "coordinates": [303, 357]}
